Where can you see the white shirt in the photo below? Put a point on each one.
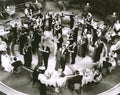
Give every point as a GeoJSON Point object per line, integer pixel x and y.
{"type": "Point", "coordinates": [26, 11]}
{"type": "Point", "coordinates": [117, 26]}
{"type": "Point", "coordinates": [3, 46]}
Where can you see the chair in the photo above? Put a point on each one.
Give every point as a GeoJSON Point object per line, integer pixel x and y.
{"type": "Point", "coordinates": [74, 83]}
{"type": "Point", "coordinates": [18, 71]}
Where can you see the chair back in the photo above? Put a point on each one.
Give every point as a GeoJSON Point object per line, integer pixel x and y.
{"type": "Point", "coordinates": [19, 69]}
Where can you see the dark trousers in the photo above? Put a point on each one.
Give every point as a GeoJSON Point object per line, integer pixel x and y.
{"type": "Point", "coordinates": [27, 61]}
{"type": "Point", "coordinates": [46, 62]}
{"type": "Point", "coordinates": [0, 56]}
{"type": "Point", "coordinates": [12, 47]}
{"type": "Point", "coordinates": [63, 63]}
{"type": "Point", "coordinates": [73, 59]}
{"type": "Point", "coordinates": [21, 46]}
{"type": "Point", "coordinates": [42, 89]}
{"type": "Point", "coordinates": [35, 76]}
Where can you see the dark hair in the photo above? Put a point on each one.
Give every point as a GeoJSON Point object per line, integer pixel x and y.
{"type": "Point", "coordinates": [1, 37]}
{"type": "Point", "coordinates": [107, 58]}
{"type": "Point", "coordinates": [15, 58]}
{"type": "Point", "coordinates": [77, 72]}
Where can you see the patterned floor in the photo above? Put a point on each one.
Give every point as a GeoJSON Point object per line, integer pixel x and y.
{"type": "Point", "coordinates": [23, 83]}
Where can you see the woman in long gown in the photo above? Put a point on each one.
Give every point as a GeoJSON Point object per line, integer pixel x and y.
{"type": "Point", "coordinates": [6, 62]}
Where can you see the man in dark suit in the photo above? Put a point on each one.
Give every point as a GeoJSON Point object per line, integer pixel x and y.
{"type": "Point", "coordinates": [64, 54]}
{"type": "Point", "coordinates": [46, 52]}
{"type": "Point", "coordinates": [75, 33]}
{"type": "Point", "coordinates": [27, 51]}
{"type": "Point", "coordinates": [71, 38]}
{"type": "Point", "coordinates": [58, 28]}
{"type": "Point", "coordinates": [73, 52]}
{"type": "Point", "coordinates": [59, 40]}
{"type": "Point", "coordinates": [71, 21]}
{"type": "Point", "coordinates": [99, 46]}
{"type": "Point", "coordinates": [22, 41]}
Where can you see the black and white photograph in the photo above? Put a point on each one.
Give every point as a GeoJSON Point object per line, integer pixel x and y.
{"type": "Point", "coordinates": [59, 47]}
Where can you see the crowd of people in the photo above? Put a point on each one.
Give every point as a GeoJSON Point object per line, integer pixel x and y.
{"type": "Point", "coordinates": [88, 42]}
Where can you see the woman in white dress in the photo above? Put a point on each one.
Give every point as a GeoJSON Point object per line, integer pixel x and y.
{"type": "Point", "coordinates": [6, 62]}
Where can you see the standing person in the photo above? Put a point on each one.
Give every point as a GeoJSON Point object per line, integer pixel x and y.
{"type": "Point", "coordinates": [98, 50]}
{"type": "Point", "coordinates": [59, 40]}
{"type": "Point", "coordinates": [73, 52]}
{"type": "Point", "coordinates": [26, 12]}
{"type": "Point", "coordinates": [58, 28]}
{"type": "Point", "coordinates": [22, 41]}
{"type": "Point", "coordinates": [50, 21]}
{"type": "Point", "coordinates": [40, 55]}
{"type": "Point", "coordinates": [95, 36]}
{"type": "Point", "coordinates": [84, 45]}
{"type": "Point", "coordinates": [88, 21]}
{"type": "Point", "coordinates": [71, 38]}
{"type": "Point", "coordinates": [45, 52]}
{"type": "Point", "coordinates": [14, 30]}
{"type": "Point", "coordinates": [27, 51]}
{"type": "Point", "coordinates": [58, 58]}
{"type": "Point", "coordinates": [64, 54]}
{"type": "Point", "coordinates": [47, 20]}
{"type": "Point", "coordinates": [53, 26]}
{"type": "Point", "coordinates": [36, 40]}
{"type": "Point", "coordinates": [75, 33]}
{"type": "Point", "coordinates": [71, 21]}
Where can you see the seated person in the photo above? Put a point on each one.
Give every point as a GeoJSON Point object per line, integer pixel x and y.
{"type": "Point", "coordinates": [107, 64]}
{"type": "Point", "coordinates": [73, 80]}
{"type": "Point", "coordinates": [16, 64]}
{"type": "Point", "coordinates": [97, 75]}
